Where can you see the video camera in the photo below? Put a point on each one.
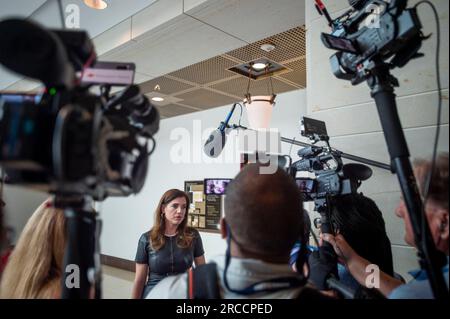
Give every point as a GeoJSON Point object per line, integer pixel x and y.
{"type": "Point", "coordinates": [372, 38]}
{"type": "Point", "coordinates": [69, 141]}
{"type": "Point", "coordinates": [371, 32]}
{"type": "Point", "coordinates": [333, 178]}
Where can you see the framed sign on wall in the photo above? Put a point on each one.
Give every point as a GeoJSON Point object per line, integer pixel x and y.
{"type": "Point", "coordinates": [205, 210]}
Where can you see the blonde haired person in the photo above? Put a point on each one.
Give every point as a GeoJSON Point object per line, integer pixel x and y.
{"type": "Point", "coordinates": [35, 266]}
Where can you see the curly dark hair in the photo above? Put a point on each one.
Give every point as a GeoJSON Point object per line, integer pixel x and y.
{"type": "Point", "coordinates": [359, 220]}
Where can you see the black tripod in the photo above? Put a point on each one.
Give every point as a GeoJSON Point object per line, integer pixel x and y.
{"type": "Point", "coordinates": [81, 277]}
{"type": "Point", "coordinates": [382, 84]}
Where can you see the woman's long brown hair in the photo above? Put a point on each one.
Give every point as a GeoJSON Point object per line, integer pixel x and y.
{"type": "Point", "coordinates": [185, 235]}
{"type": "Point", "coordinates": [35, 267]}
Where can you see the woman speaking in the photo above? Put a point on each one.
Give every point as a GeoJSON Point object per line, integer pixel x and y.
{"type": "Point", "coordinates": [170, 247]}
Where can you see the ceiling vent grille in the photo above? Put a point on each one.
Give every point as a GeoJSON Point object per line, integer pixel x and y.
{"type": "Point", "coordinates": [210, 83]}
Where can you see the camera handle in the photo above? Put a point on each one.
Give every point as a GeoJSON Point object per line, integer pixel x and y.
{"type": "Point", "coordinates": [81, 272]}
{"type": "Point", "coordinates": [382, 83]}
{"type": "Point", "coordinates": [342, 154]}
{"type": "Point", "coordinates": [323, 207]}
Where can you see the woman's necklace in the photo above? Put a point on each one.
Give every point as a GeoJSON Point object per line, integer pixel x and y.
{"type": "Point", "coordinates": [170, 235]}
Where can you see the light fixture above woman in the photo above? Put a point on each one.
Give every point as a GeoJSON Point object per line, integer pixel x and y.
{"type": "Point", "coordinates": [96, 4]}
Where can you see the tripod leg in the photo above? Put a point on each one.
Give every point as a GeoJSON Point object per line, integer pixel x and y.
{"type": "Point", "coordinates": [430, 259]}
{"type": "Point", "coordinates": [78, 273]}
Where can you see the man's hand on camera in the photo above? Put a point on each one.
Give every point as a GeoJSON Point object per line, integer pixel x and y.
{"type": "Point", "coordinates": [357, 265]}
{"type": "Point", "coordinates": [343, 250]}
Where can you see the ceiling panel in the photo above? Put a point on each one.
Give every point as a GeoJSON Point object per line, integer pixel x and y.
{"type": "Point", "coordinates": [208, 84]}
{"type": "Point", "coordinates": [205, 99]}
{"type": "Point", "coordinates": [238, 87]}
{"type": "Point", "coordinates": [93, 21]}
{"type": "Point", "coordinates": [158, 15]}
{"type": "Point", "coordinates": [207, 71]}
{"type": "Point", "coordinates": [173, 110]}
{"type": "Point", "coordinates": [25, 85]}
{"type": "Point", "coordinates": [186, 41]}
{"type": "Point", "coordinates": [298, 75]}
{"type": "Point", "coordinates": [113, 38]}
{"type": "Point", "coordinates": [190, 4]}
{"type": "Point", "coordinates": [21, 8]}
{"type": "Point", "coordinates": [289, 45]}
{"type": "Point", "coordinates": [189, 42]}
{"type": "Point", "coordinates": [249, 20]}
{"type": "Point", "coordinates": [140, 77]}
{"type": "Point", "coordinates": [166, 85]}
{"type": "Point", "coordinates": [7, 77]}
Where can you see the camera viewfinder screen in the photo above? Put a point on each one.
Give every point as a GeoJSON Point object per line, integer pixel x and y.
{"type": "Point", "coordinates": [312, 126]}
{"type": "Point", "coordinates": [216, 186]}
{"type": "Point", "coordinates": [305, 185]}
{"type": "Point", "coordinates": [338, 43]}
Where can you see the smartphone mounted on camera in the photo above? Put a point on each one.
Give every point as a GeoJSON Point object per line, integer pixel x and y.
{"type": "Point", "coordinates": [113, 73]}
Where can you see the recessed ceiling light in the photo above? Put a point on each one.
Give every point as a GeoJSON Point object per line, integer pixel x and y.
{"type": "Point", "coordinates": [96, 4]}
{"type": "Point", "coordinates": [259, 66]}
{"type": "Point", "coordinates": [259, 69]}
{"type": "Point", "coordinates": [268, 47]}
{"type": "Point", "coordinates": [157, 99]}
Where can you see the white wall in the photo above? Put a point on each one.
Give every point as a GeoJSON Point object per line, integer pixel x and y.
{"type": "Point", "coordinates": [20, 204]}
{"type": "Point", "coordinates": [352, 118]}
{"type": "Point", "coordinates": [125, 219]}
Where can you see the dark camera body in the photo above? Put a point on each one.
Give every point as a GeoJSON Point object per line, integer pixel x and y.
{"type": "Point", "coordinates": [376, 31]}
{"type": "Point", "coordinates": [70, 141]}
{"type": "Point", "coordinates": [327, 184]}
{"type": "Point", "coordinates": [27, 132]}
{"type": "Point", "coordinates": [75, 149]}
{"type": "Point", "coordinates": [332, 177]}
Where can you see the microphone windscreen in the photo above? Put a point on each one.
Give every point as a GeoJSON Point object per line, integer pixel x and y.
{"type": "Point", "coordinates": [357, 171]}
{"type": "Point", "coordinates": [215, 143]}
{"type": "Point", "coordinates": [30, 50]}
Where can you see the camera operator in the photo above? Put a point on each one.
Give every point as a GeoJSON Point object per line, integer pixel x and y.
{"type": "Point", "coordinates": [436, 211]}
{"type": "Point", "coordinates": [35, 266]}
{"type": "Point", "coordinates": [358, 219]}
{"type": "Point", "coordinates": [263, 220]}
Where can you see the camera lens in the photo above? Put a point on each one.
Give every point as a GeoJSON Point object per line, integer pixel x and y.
{"type": "Point", "coordinates": [317, 222]}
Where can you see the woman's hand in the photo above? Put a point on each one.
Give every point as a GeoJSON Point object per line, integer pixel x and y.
{"type": "Point", "coordinates": [199, 260]}
{"type": "Point", "coordinates": [139, 281]}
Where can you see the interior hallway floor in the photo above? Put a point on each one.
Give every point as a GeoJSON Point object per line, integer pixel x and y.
{"type": "Point", "coordinates": [117, 283]}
